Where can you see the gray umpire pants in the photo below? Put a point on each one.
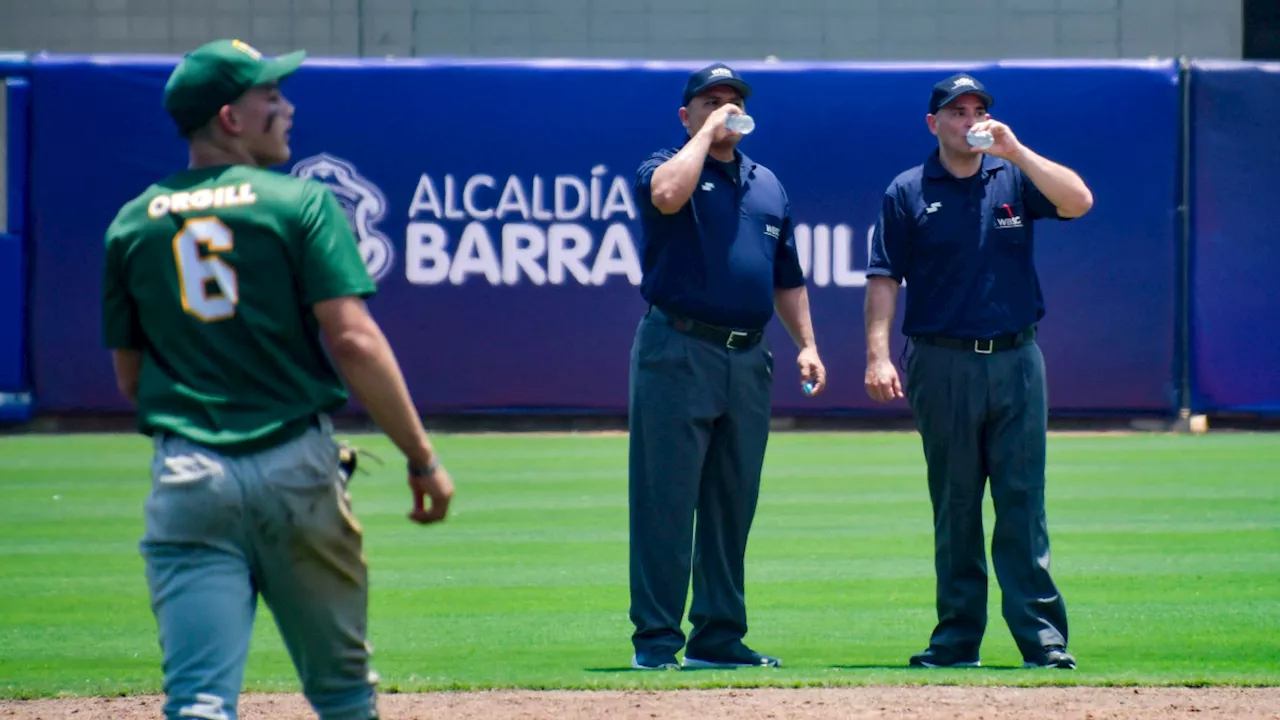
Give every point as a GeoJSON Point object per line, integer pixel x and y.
{"type": "Point", "coordinates": [699, 423]}
{"type": "Point", "coordinates": [985, 416]}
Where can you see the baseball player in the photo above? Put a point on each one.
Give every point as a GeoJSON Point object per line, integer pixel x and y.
{"type": "Point", "coordinates": [959, 229]}
{"type": "Point", "coordinates": [218, 282]}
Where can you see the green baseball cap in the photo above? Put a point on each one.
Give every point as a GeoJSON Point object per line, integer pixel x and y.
{"type": "Point", "coordinates": [217, 74]}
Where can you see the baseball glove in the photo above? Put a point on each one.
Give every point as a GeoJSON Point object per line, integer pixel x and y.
{"type": "Point", "coordinates": [349, 460]}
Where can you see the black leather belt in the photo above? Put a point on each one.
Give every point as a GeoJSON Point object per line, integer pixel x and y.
{"type": "Point", "coordinates": [985, 346]}
{"type": "Point", "coordinates": [727, 337]}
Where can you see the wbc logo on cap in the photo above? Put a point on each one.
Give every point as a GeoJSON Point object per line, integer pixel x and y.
{"type": "Point", "coordinates": [963, 82]}
{"type": "Point", "coordinates": [722, 72]}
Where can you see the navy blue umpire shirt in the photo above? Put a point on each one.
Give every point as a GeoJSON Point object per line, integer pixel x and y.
{"type": "Point", "coordinates": [720, 257]}
{"type": "Point", "coordinates": [965, 247]}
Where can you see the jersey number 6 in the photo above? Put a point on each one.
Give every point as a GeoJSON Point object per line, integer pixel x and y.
{"type": "Point", "coordinates": [207, 282]}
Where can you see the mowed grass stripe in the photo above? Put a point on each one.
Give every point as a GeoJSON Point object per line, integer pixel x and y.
{"type": "Point", "coordinates": [1167, 550]}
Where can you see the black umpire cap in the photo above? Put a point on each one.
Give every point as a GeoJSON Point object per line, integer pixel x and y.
{"type": "Point", "coordinates": [955, 86]}
{"type": "Point", "coordinates": [712, 75]}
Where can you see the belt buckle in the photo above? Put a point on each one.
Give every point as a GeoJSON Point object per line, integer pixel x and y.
{"type": "Point", "coordinates": [991, 346]}
{"type": "Point", "coordinates": [729, 343]}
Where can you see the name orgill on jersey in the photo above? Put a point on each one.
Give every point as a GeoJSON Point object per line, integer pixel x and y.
{"type": "Point", "coordinates": [219, 197]}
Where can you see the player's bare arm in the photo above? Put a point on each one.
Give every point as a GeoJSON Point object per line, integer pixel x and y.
{"type": "Point", "coordinates": [1060, 184]}
{"type": "Point", "coordinates": [369, 365]}
{"type": "Point", "coordinates": [882, 380]}
{"type": "Point", "coordinates": [792, 306]}
{"type": "Point", "coordinates": [674, 181]}
{"type": "Point", "coordinates": [128, 367]}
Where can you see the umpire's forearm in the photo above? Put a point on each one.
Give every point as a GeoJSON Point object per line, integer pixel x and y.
{"type": "Point", "coordinates": [674, 180]}
{"type": "Point", "coordinates": [792, 306]}
{"type": "Point", "coordinates": [367, 362]}
{"type": "Point", "coordinates": [1060, 184]}
{"type": "Point", "coordinates": [881, 304]}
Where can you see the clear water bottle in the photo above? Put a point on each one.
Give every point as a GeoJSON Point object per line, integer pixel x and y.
{"type": "Point", "coordinates": [739, 123]}
{"type": "Point", "coordinates": [981, 139]}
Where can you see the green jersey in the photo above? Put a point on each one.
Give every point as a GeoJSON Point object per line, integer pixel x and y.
{"type": "Point", "coordinates": [211, 273]}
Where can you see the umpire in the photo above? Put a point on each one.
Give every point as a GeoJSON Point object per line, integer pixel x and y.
{"type": "Point", "coordinates": [959, 230]}
{"type": "Point", "coordinates": [718, 257]}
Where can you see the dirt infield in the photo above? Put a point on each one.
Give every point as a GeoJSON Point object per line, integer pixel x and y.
{"type": "Point", "coordinates": [923, 703]}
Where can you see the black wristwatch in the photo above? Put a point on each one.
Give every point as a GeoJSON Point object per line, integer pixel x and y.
{"type": "Point", "coordinates": [424, 470]}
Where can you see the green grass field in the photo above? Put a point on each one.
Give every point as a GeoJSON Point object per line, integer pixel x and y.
{"type": "Point", "coordinates": [1166, 548]}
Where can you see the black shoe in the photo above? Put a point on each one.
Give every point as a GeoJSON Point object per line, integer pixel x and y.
{"type": "Point", "coordinates": [936, 657]}
{"type": "Point", "coordinates": [657, 661]}
{"type": "Point", "coordinates": [738, 657]}
{"type": "Point", "coordinates": [1055, 656]}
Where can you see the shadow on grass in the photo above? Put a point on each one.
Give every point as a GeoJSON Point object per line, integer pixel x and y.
{"type": "Point", "coordinates": [907, 668]}
{"type": "Point", "coordinates": [746, 670]}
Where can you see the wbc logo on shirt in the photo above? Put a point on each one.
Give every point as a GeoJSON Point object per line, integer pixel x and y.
{"type": "Point", "coordinates": [1008, 220]}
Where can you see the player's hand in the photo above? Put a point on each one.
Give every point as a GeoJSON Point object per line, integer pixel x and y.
{"type": "Point", "coordinates": [1005, 144]}
{"type": "Point", "coordinates": [882, 381]}
{"type": "Point", "coordinates": [812, 370]}
{"type": "Point", "coordinates": [439, 487]}
{"type": "Point", "coordinates": [715, 123]}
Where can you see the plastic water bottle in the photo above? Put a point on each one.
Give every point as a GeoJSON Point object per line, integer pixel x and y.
{"type": "Point", "coordinates": [980, 139]}
{"type": "Point", "coordinates": [739, 123]}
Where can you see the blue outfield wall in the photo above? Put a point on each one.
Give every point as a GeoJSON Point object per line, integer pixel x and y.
{"type": "Point", "coordinates": [1235, 248]}
{"type": "Point", "coordinates": [15, 397]}
{"type": "Point", "coordinates": [493, 203]}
